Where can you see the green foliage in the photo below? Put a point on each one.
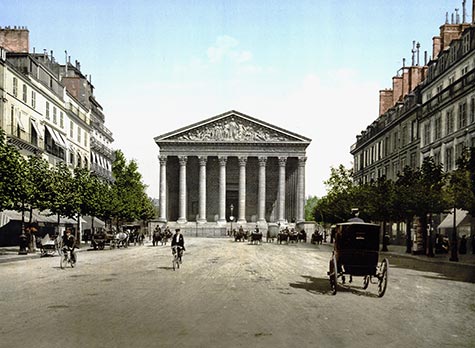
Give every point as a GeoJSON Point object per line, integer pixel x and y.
{"type": "Point", "coordinates": [310, 205]}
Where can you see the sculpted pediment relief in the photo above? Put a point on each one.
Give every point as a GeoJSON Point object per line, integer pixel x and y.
{"type": "Point", "coordinates": [231, 129]}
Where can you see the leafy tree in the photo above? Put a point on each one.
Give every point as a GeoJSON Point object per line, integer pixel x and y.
{"type": "Point", "coordinates": [310, 205]}
{"type": "Point", "coordinates": [10, 174]}
{"type": "Point", "coordinates": [407, 192]}
{"type": "Point", "coordinates": [432, 200]}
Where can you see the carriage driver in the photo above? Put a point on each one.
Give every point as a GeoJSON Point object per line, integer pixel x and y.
{"type": "Point", "coordinates": [178, 240]}
{"type": "Point", "coordinates": [69, 243]}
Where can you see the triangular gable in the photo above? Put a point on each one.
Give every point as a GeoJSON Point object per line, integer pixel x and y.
{"type": "Point", "coordinates": [231, 126]}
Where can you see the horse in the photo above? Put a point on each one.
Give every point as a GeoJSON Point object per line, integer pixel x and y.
{"type": "Point", "coordinates": [256, 237]}
{"type": "Point", "coordinates": [122, 239]}
{"type": "Point", "coordinates": [302, 236]}
{"type": "Point", "coordinates": [282, 236]}
{"type": "Point", "coordinates": [293, 237]}
{"type": "Point", "coordinates": [157, 236]}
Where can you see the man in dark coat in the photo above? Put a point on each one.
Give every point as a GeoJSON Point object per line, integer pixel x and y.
{"type": "Point", "coordinates": [178, 240]}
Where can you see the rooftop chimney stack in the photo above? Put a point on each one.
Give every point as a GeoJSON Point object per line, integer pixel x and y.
{"type": "Point", "coordinates": [418, 46]}
{"type": "Point", "coordinates": [464, 16]}
{"type": "Point", "coordinates": [16, 39]}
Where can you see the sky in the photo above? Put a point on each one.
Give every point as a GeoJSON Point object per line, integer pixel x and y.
{"type": "Point", "coordinates": [312, 67]}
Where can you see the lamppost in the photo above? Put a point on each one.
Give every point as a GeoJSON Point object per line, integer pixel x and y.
{"type": "Point", "coordinates": [453, 244]}
{"type": "Point", "coordinates": [231, 217]}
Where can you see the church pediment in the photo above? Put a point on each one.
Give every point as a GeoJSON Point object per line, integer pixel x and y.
{"type": "Point", "coordinates": [231, 127]}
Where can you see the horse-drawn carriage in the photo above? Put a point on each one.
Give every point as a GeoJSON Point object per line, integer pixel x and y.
{"type": "Point", "coordinates": [48, 245]}
{"type": "Point", "coordinates": [100, 238]}
{"type": "Point", "coordinates": [255, 237]}
{"type": "Point", "coordinates": [355, 253]}
{"type": "Point", "coordinates": [160, 236]}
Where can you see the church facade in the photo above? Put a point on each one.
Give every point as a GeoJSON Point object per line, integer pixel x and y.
{"type": "Point", "coordinates": [232, 167]}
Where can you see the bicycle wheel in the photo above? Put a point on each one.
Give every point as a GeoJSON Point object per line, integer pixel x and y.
{"type": "Point", "coordinates": [62, 260]}
{"type": "Point", "coordinates": [73, 261]}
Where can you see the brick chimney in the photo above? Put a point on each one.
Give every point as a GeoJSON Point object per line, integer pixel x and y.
{"type": "Point", "coordinates": [385, 100]}
{"type": "Point", "coordinates": [415, 76]}
{"type": "Point", "coordinates": [16, 39]}
{"type": "Point", "coordinates": [397, 89]}
{"type": "Point", "coordinates": [405, 82]}
{"type": "Point", "coordinates": [436, 45]}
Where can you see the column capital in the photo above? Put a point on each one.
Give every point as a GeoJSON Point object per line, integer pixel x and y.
{"type": "Point", "coordinates": [262, 161]}
{"type": "Point", "coordinates": [302, 161]}
{"type": "Point", "coordinates": [282, 161]}
{"type": "Point", "coordinates": [202, 160]}
{"type": "Point", "coordinates": [182, 160]}
{"type": "Point", "coordinates": [162, 159]}
{"type": "Point", "coordinates": [242, 161]}
{"type": "Point", "coordinates": [222, 160]}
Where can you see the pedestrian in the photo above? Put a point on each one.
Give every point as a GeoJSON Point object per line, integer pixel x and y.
{"type": "Point", "coordinates": [355, 216]}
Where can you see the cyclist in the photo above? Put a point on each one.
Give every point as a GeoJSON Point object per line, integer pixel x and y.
{"type": "Point", "coordinates": [69, 244]}
{"type": "Point", "coordinates": [179, 241]}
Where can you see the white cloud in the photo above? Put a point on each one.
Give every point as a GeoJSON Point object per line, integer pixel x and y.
{"type": "Point", "coordinates": [225, 48]}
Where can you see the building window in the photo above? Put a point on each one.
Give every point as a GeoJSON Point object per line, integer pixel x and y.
{"type": "Point", "coordinates": [437, 128]}
{"type": "Point", "coordinates": [437, 157]}
{"type": "Point", "coordinates": [79, 135]}
{"type": "Point", "coordinates": [462, 115]}
{"type": "Point", "coordinates": [85, 139]}
{"type": "Point", "coordinates": [71, 158]}
{"type": "Point", "coordinates": [472, 111]}
{"type": "Point", "coordinates": [47, 111]}
{"type": "Point", "coordinates": [451, 79]}
{"type": "Point", "coordinates": [413, 163]}
{"type": "Point", "coordinates": [458, 150]}
{"type": "Point", "coordinates": [54, 115]}
{"type": "Point", "coordinates": [450, 122]}
{"type": "Point", "coordinates": [33, 99]}
{"type": "Point", "coordinates": [427, 133]}
{"type": "Point", "coordinates": [71, 129]}
{"type": "Point", "coordinates": [414, 130]}
{"type": "Point", "coordinates": [464, 70]}
{"type": "Point", "coordinates": [25, 93]}
{"type": "Point", "coordinates": [15, 87]}
{"type": "Point", "coordinates": [448, 158]}
{"type": "Point", "coordinates": [61, 119]}
{"type": "Point", "coordinates": [395, 141]}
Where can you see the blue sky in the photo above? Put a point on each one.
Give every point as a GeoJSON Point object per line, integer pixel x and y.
{"type": "Point", "coordinates": [313, 67]}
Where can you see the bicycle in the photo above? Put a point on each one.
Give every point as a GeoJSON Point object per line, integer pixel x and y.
{"type": "Point", "coordinates": [66, 257]}
{"type": "Point", "coordinates": [177, 252]}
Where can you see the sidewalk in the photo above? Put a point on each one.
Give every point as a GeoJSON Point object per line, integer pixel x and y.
{"type": "Point", "coordinates": [400, 250]}
{"type": "Point", "coordinates": [10, 254]}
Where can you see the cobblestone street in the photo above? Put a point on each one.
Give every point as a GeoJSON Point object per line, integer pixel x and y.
{"type": "Point", "coordinates": [229, 294]}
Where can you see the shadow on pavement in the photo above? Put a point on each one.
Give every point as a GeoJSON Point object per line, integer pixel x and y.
{"type": "Point", "coordinates": [322, 286]}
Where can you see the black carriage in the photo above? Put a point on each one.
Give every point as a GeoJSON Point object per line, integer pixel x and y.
{"type": "Point", "coordinates": [355, 253]}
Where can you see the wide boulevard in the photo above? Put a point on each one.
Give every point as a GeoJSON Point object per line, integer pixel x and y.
{"type": "Point", "coordinates": [230, 294]}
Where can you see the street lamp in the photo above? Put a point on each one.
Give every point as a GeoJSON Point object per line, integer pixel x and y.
{"type": "Point", "coordinates": [231, 217]}
{"type": "Point", "coordinates": [453, 245]}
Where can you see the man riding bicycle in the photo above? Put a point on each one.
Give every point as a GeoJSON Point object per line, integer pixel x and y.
{"type": "Point", "coordinates": [69, 244]}
{"type": "Point", "coordinates": [178, 243]}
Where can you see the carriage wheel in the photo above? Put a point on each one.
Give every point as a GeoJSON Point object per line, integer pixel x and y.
{"type": "Point", "coordinates": [366, 281]}
{"type": "Point", "coordinates": [101, 246]}
{"type": "Point", "coordinates": [383, 277]}
{"type": "Point", "coordinates": [333, 274]}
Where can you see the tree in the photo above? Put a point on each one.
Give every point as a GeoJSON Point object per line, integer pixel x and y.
{"type": "Point", "coordinates": [10, 174]}
{"type": "Point", "coordinates": [310, 205]}
{"type": "Point", "coordinates": [432, 200]}
{"type": "Point", "coordinates": [406, 195]}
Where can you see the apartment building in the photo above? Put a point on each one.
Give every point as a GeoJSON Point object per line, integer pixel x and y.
{"type": "Point", "coordinates": [430, 111]}
{"type": "Point", "coordinates": [41, 111]}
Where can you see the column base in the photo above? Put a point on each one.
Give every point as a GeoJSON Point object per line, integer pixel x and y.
{"type": "Point", "coordinates": [201, 221]}
{"type": "Point", "coordinates": [181, 221]}
{"type": "Point", "coordinates": [162, 219]}
{"type": "Point", "coordinates": [221, 222]}
{"type": "Point", "coordinates": [242, 221]}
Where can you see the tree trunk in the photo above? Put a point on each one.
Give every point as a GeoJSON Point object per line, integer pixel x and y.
{"type": "Point", "coordinates": [423, 220]}
{"type": "Point", "coordinates": [430, 249]}
{"type": "Point", "coordinates": [408, 235]}
{"type": "Point", "coordinates": [78, 231]}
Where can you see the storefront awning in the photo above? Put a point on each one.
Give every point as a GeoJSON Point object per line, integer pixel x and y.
{"type": "Point", "coordinates": [57, 137]}
{"type": "Point", "coordinates": [44, 217]}
{"type": "Point", "coordinates": [461, 217]}
{"type": "Point", "coordinates": [37, 129]}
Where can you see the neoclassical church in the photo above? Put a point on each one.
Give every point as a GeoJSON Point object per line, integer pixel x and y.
{"type": "Point", "coordinates": [232, 167]}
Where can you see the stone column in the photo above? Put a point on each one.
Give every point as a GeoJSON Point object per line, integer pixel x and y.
{"type": "Point", "coordinates": [182, 189]}
{"type": "Point", "coordinates": [301, 190]}
{"type": "Point", "coordinates": [163, 189]}
{"type": "Point", "coordinates": [281, 195]}
{"type": "Point", "coordinates": [202, 209]}
{"type": "Point", "coordinates": [261, 214]}
{"type": "Point", "coordinates": [242, 190]}
{"type": "Point", "coordinates": [222, 189]}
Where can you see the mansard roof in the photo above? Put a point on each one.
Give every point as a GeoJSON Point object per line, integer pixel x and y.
{"type": "Point", "coordinates": [232, 127]}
